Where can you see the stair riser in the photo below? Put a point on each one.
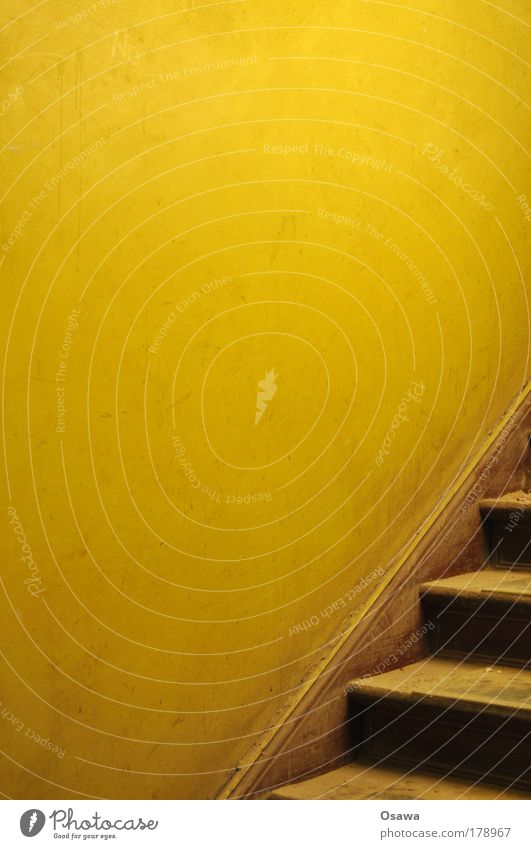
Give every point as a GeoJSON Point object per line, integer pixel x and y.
{"type": "Point", "coordinates": [419, 735]}
{"type": "Point", "coordinates": [486, 629]}
{"type": "Point", "coordinates": [509, 542]}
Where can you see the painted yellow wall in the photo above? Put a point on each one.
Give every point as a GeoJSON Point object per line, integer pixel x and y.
{"type": "Point", "coordinates": [196, 198]}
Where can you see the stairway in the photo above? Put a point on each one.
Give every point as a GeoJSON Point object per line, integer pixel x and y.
{"type": "Point", "coordinates": [457, 724]}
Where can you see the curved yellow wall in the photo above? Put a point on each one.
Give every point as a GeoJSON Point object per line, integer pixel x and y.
{"type": "Point", "coordinates": [316, 208]}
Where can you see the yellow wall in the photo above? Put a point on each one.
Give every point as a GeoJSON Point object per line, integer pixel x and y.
{"type": "Point", "coordinates": [277, 181]}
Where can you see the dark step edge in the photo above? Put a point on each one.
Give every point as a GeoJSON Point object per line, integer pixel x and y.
{"type": "Point", "coordinates": [414, 698]}
{"type": "Point", "coordinates": [487, 659]}
{"type": "Point", "coordinates": [496, 509]}
{"type": "Point", "coordinates": [501, 779]}
{"type": "Point", "coordinates": [441, 597]}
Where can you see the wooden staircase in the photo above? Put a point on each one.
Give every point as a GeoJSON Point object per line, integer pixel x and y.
{"type": "Point", "coordinates": [456, 724]}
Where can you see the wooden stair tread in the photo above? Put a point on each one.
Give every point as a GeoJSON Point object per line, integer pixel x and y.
{"type": "Point", "coordinates": [505, 504]}
{"type": "Point", "coordinates": [500, 690]}
{"type": "Point", "coordinates": [502, 583]}
{"type": "Point", "coordinates": [362, 780]}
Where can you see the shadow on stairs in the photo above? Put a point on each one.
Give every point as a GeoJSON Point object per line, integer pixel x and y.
{"type": "Point", "coordinates": [456, 724]}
